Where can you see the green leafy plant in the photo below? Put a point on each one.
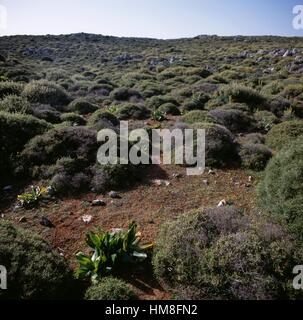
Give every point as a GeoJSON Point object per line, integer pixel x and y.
{"type": "Point", "coordinates": [29, 199]}
{"type": "Point", "coordinates": [111, 250]}
{"type": "Point", "coordinates": [158, 115]}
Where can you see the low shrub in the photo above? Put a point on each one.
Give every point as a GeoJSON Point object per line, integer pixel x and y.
{"type": "Point", "coordinates": [124, 94]}
{"type": "Point", "coordinates": [9, 88]}
{"type": "Point", "coordinates": [132, 111]}
{"type": "Point", "coordinates": [242, 94]}
{"type": "Point", "coordinates": [281, 189]}
{"type": "Point", "coordinates": [234, 120]}
{"type": "Point", "coordinates": [14, 104]}
{"type": "Point", "coordinates": [221, 148]}
{"type": "Point", "coordinates": [265, 120]}
{"type": "Point", "coordinates": [170, 109]}
{"type": "Point", "coordinates": [73, 119]}
{"type": "Point", "coordinates": [15, 131]}
{"type": "Point", "coordinates": [34, 270]}
{"type": "Point", "coordinates": [101, 116]}
{"type": "Point", "coordinates": [156, 101]}
{"type": "Point", "coordinates": [255, 156]}
{"type": "Point", "coordinates": [46, 92]}
{"type": "Point", "coordinates": [284, 133]}
{"type": "Point", "coordinates": [197, 116]}
{"type": "Point", "coordinates": [82, 106]}
{"type": "Point", "coordinates": [110, 289]}
{"type": "Point", "coordinates": [220, 254]}
{"type": "Point", "coordinates": [45, 112]}
{"type": "Point", "coordinates": [254, 138]}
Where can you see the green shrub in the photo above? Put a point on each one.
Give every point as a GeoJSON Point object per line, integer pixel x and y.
{"type": "Point", "coordinates": [124, 94]}
{"type": "Point", "coordinates": [169, 108]}
{"type": "Point", "coordinates": [73, 118]}
{"type": "Point", "coordinates": [46, 92]}
{"type": "Point", "coordinates": [82, 106]}
{"type": "Point", "coordinates": [254, 138]}
{"type": "Point", "coordinates": [14, 104]}
{"type": "Point", "coordinates": [242, 94]}
{"type": "Point", "coordinates": [265, 120]}
{"type": "Point", "coordinates": [34, 270]}
{"type": "Point", "coordinates": [45, 112]}
{"type": "Point", "coordinates": [10, 88]}
{"type": "Point", "coordinates": [197, 116]}
{"type": "Point", "coordinates": [15, 131]}
{"type": "Point", "coordinates": [102, 116]}
{"type": "Point", "coordinates": [110, 289]}
{"type": "Point", "coordinates": [255, 156]}
{"type": "Point", "coordinates": [233, 119]}
{"type": "Point", "coordinates": [131, 111]}
{"type": "Point", "coordinates": [156, 101]}
{"type": "Point", "coordinates": [284, 133]}
{"type": "Point", "coordinates": [221, 149]}
{"type": "Point", "coordinates": [220, 254]}
{"type": "Point", "coordinates": [281, 189]}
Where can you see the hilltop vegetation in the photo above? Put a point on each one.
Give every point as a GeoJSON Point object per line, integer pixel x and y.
{"type": "Point", "coordinates": [57, 92]}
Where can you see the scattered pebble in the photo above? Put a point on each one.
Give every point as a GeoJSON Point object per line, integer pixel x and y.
{"type": "Point", "coordinates": [222, 203]}
{"type": "Point", "coordinates": [46, 222]}
{"type": "Point", "coordinates": [250, 178]}
{"type": "Point", "coordinates": [177, 175]}
{"type": "Point", "coordinates": [116, 230]}
{"type": "Point", "coordinates": [114, 195]}
{"type": "Point", "coordinates": [87, 219]}
{"type": "Point", "coordinates": [205, 182]}
{"type": "Point", "coordinates": [22, 219]}
{"type": "Point", "coordinates": [212, 172]}
{"type": "Point", "coordinates": [161, 183]}
{"type": "Point", "coordinates": [98, 203]}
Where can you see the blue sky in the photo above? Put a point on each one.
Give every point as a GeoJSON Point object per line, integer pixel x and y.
{"type": "Point", "coordinates": [151, 18]}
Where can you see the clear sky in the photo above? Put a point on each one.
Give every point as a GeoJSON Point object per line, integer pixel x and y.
{"type": "Point", "coordinates": [151, 18]}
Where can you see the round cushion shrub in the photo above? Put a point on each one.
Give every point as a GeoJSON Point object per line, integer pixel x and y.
{"type": "Point", "coordinates": [82, 106]}
{"type": "Point", "coordinates": [242, 94]}
{"type": "Point", "coordinates": [45, 112]}
{"type": "Point", "coordinates": [220, 254]}
{"type": "Point", "coordinates": [14, 104]}
{"type": "Point", "coordinates": [35, 271]}
{"type": "Point", "coordinates": [254, 138]}
{"type": "Point", "coordinates": [15, 131]}
{"type": "Point", "coordinates": [221, 147]}
{"type": "Point", "coordinates": [197, 116]}
{"type": "Point", "coordinates": [281, 189]}
{"type": "Point", "coordinates": [234, 120]}
{"type": "Point", "coordinates": [284, 133]}
{"type": "Point", "coordinates": [124, 94]}
{"type": "Point", "coordinates": [46, 92]}
{"type": "Point", "coordinates": [132, 111]}
{"type": "Point", "coordinates": [73, 119]}
{"type": "Point", "coordinates": [102, 116]}
{"type": "Point", "coordinates": [157, 101]}
{"type": "Point", "coordinates": [170, 109]}
{"type": "Point", "coordinates": [110, 289]}
{"type": "Point", "coordinates": [10, 88]}
{"type": "Point", "coordinates": [255, 156]}
{"type": "Point", "coordinates": [265, 120]}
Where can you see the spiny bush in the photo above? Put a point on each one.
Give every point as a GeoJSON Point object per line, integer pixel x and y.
{"type": "Point", "coordinates": [284, 133]}
{"type": "Point", "coordinates": [124, 94]}
{"type": "Point", "coordinates": [110, 289]}
{"type": "Point", "coordinates": [73, 118]}
{"type": "Point", "coordinates": [220, 254]}
{"type": "Point", "coordinates": [221, 150]}
{"type": "Point", "coordinates": [45, 150]}
{"type": "Point", "coordinates": [234, 120]}
{"type": "Point", "coordinates": [265, 120]}
{"type": "Point", "coordinates": [254, 138]}
{"type": "Point", "coordinates": [169, 108]}
{"type": "Point", "coordinates": [156, 101]}
{"type": "Point", "coordinates": [10, 88]}
{"type": "Point", "coordinates": [14, 104]}
{"type": "Point", "coordinates": [103, 116]}
{"type": "Point", "coordinates": [281, 189]}
{"type": "Point", "coordinates": [15, 131]}
{"type": "Point", "coordinates": [82, 106]}
{"type": "Point", "coordinates": [197, 116]}
{"type": "Point", "coordinates": [46, 92]}
{"type": "Point", "coordinates": [242, 94]}
{"type": "Point", "coordinates": [132, 111]}
{"type": "Point", "coordinates": [255, 156]}
{"type": "Point", "coordinates": [45, 112]}
{"type": "Point", "coordinates": [34, 270]}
